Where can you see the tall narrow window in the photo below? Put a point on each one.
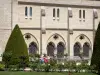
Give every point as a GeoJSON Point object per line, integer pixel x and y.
{"type": "Point", "coordinates": [26, 11]}
{"type": "Point", "coordinates": [50, 49]}
{"type": "Point", "coordinates": [84, 14]}
{"type": "Point", "coordinates": [31, 11]}
{"type": "Point", "coordinates": [79, 13]}
{"type": "Point", "coordinates": [86, 48]}
{"type": "Point", "coordinates": [77, 48]}
{"type": "Point", "coordinates": [57, 12]}
{"type": "Point", "coordinates": [54, 12]}
{"type": "Point", "coordinates": [60, 49]}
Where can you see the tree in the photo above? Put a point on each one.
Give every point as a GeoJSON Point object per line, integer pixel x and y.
{"type": "Point", "coordinates": [16, 47]}
{"type": "Point", "coordinates": [96, 49]}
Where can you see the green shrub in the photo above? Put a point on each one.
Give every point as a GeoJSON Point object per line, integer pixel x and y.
{"type": "Point", "coordinates": [52, 62]}
{"type": "Point", "coordinates": [93, 68]}
{"type": "Point", "coordinates": [37, 55]}
{"type": "Point", "coordinates": [70, 65]}
{"type": "Point", "coordinates": [67, 65]}
{"type": "Point", "coordinates": [23, 61]}
{"type": "Point", "coordinates": [60, 67]}
{"type": "Point", "coordinates": [96, 49]}
{"type": "Point", "coordinates": [84, 65]}
{"type": "Point", "coordinates": [46, 67]}
{"type": "Point", "coordinates": [73, 65]}
{"type": "Point", "coordinates": [33, 65]}
{"type": "Point", "coordinates": [6, 58]}
{"type": "Point", "coordinates": [15, 48]}
{"type": "Point", "coordinates": [2, 67]}
{"type": "Point", "coordinates": [54, 68]}
{"type": "Point", "coordinates": [39, 67]}
{"type": "Point", "coordinates": [13, 68]}
{"type": "Point", "coordinates": [43, 67]}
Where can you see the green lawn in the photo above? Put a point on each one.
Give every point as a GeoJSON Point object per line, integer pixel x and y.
{"type": "Point", "coordinates": [42, 73]}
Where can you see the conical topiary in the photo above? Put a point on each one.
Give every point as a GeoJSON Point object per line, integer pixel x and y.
{"type": "Point", "coordinates": [95, 60]}
{"type": "Point", "coordinates": [16, 48]}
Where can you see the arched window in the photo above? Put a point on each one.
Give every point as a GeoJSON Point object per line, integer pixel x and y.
{"type": "Point", "coordinates": [60, 49]}
{"type": "Point", "coordinates": [77, 48]}
{"type": "Point", "coordinates": [26, 11]}
{"type": "Point", "coordinates": [33, 48]}
{"type": "Point", "coordinates": [50, 49]}
{"type": "Point", "coordinates": [31, 11]}
{"type": "Point", "coordinates": [86, 48]}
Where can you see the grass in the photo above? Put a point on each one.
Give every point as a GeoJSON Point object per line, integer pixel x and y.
{"type": "Point", "coordinates": [41, 73]}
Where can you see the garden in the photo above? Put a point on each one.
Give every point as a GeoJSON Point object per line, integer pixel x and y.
{"type": "Point", "coordinates": [17, 61]}
{"type": "Point", "coordinates": [42, 73]}
{"type": "Point", "coordinates": [49, 67]}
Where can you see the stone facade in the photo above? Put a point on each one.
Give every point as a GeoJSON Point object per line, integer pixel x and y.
{"type": "Point", "coordinates": [54, 25]}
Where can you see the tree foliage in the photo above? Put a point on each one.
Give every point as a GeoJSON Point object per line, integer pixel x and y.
{"type": "Point", "coordinates": [16, 48]}
{"type": "Point", "coordinates": [96, 49]}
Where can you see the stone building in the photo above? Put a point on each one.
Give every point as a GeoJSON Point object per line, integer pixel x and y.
{"type": "Point", "coordinates": [52, 27]}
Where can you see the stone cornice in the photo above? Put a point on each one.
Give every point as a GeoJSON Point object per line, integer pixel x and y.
{"type": "Point", "coordinates": [70, 3]}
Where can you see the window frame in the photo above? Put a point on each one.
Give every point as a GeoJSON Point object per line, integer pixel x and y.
{"type": "Point", "coordinates": [83, 14]}
{"type": "Point", "coordinates": [30, 11]}
{"type": "Point", "coordinates": [58, 12]}
{"type": "Point", "coordinates": [54, 14]}
{"type": "Point", "coordinates": [26, 11]}
{"type": "Point", "coordinates": [80, 15]}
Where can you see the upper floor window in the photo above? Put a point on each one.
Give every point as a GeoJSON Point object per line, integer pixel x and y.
{"type": "Point", "coordinates": [79, 13]}
{"type": "Point", "coordinates": [53, 12]}
{"type": "Point", "coordinates": [57, 12]}
{"type": "Point", "coordinates": [26, 11]}
{"type": "Point", "coordinates": [30, 11]}
{"type": "Point", "coordinates": [84, 14]}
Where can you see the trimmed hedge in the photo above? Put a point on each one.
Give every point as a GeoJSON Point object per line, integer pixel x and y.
{"type": "Point", "coordinates": [96, 49]}
{"type": "Point", "coordinates": [16, 49]}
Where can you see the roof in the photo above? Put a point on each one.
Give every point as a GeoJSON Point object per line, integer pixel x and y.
{"type": "Point", "coordinates": [87, 3]}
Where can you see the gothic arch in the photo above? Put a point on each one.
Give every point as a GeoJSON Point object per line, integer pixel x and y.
{"type": "Point", "coordinates": [58, 42]}
{"type": "Point", "coordinates": [57, 35]}
{"type": "Point", "coordinates": [86, 45]}
{"type": "Point", "coordinates": [88, 40]}
{"type": "Point", "coordinates": [32, 43]}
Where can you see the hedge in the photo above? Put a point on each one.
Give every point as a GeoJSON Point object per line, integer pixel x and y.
{"type": "Point", "coordinates": [16, 48]}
